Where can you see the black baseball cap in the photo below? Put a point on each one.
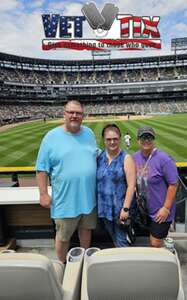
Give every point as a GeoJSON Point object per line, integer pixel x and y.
{"type": "Point", "coordinates": [145, 130]}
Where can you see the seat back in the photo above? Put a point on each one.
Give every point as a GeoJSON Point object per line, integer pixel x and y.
{"type": "Point", "coordinates": [27, 276]}
{"type": "Point", "coordinates": [88, 253]}
{"type": "Point", "coordinates": [139, 273]}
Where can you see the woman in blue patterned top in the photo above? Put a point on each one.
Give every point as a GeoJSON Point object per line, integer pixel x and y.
{"type": "Point", "coordinates": [116, 178]}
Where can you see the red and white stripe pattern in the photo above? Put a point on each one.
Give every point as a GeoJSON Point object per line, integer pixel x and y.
{"type": "Point", "coordinates": [125, 26]}
{"type": "Point", "coordinates": [102, 44]}
{"type": "Point", "coordinates": [136, 27]}
{"type": "Point", "coordinates": [150, 29]}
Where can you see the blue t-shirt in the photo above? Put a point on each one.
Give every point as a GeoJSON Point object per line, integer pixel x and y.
{"type": "Point", "coordinates": [70, 161]}
{"type": "Point", "coordinates": [111, 185]}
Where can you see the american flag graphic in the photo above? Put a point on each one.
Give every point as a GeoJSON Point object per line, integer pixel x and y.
{"type": "Point", "coordinates": [151, 27]}
{"type": "Point", "coordinates": [102, 44]}
{"type": "Point", "coordinates": [137, 27]}
{"type": "Point", "coordinates": [137, 33]}
{"type": "Point", "coordinates": [125, 26]}
{"type": "Point", "coordinates": [50, 23]}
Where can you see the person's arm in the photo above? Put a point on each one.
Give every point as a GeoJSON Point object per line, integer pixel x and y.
{"type": "Point", "coordinates": [164, 211]}
{"type": "Point", "coordinates": [130, 172]}
{"type": "Point", "coordinates": [45, 198]}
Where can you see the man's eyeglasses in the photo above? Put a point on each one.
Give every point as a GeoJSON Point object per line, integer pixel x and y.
{"type": "Point", "coordinates": [72, 113]}
{"type": "Point", "coordinates": [147, 137]}
{"type": "Point", "coordinates": [115, 140]}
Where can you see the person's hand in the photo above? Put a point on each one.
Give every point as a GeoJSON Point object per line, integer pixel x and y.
{"type": "Point", "coordinates": [162, 215]}
{"type": "Point", "coordinates": [45, 200]}
{"type": "Point", "coordinates": [123, 215]}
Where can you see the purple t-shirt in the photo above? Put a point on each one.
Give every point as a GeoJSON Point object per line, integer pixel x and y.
{"type": "Point", "coordinates": [153, 179]}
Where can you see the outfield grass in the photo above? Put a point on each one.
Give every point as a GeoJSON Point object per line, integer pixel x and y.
{"type": "Point", "coordinates": [19, 145]}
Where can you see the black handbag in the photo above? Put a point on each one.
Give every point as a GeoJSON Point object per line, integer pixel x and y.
{"type": "Point", "coordinates": [127, 226]}
{"type": "Point", "coordinates": [142, 215]}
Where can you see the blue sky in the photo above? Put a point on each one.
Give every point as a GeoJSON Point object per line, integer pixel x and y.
{"type": "Point", "coordinates": [22, 29]}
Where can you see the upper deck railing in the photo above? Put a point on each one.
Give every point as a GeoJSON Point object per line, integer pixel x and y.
{"type": "Point", "coordinates": [31, 169]}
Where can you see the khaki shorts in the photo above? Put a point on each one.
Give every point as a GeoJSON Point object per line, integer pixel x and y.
{"type": "Point", "coordinates": [67, 226]}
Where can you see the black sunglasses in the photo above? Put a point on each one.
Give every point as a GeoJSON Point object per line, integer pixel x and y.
{"type": "Point", "coordinates": [147, 137]}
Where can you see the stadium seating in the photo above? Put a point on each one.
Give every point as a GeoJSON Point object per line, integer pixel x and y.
{"type": "Point", "coordinates": [132, 273]}
{"type": "Point", "coordinates": [34, 276]}
{"type": "Point", "coordinates": [34, 88]}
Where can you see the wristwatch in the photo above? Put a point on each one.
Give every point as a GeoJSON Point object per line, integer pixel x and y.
{"type": "Point", "coordinates": [125, 209]}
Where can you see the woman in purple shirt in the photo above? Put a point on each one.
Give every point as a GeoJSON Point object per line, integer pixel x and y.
{"type": "Point", "coordinates": [157, 180]}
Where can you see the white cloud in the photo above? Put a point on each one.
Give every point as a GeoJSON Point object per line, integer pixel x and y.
{"type": "Point", "coordinates": [150, 7]}
{"type": "Point", "coordinates": [185, 13]}
{"type": "Point", "coordinates": [181, 28]}
{"type": "Point", "coordinates": [8, 5]}
{"type": "Point", "coordinates": [164, 7]}
{"type": "Point", "coordinates": [73, 9]}
{"type": "Point", "coordinates": [68, 9]}
{"type": "Point", "coordinates": [36, 3]}
{"type": "Point", "coordinates": [24, 37]}
{"type": "Point", "coordinates": [22, 33]}
{"type": "Point", "coordinates": [55, 6]}
{"type": "Point", "coordinates": [145, 7]}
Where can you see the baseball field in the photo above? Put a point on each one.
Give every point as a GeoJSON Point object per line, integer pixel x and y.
{"type": "Point", "coordinates": [19, 145]}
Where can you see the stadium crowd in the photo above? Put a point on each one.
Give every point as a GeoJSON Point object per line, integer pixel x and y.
{"type": "Point", "coordinates": [36, 89]}
{"type": "Point", "coordinates": [15, 113]}
{"type": "Point", "coordinates": [90, 77]}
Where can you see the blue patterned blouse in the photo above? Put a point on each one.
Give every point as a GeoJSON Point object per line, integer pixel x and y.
{"type": "Point", "coordinates": [111, 185]}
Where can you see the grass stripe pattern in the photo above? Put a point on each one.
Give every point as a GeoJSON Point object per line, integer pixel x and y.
{"type": "Point", "coordinates": [19, 145]}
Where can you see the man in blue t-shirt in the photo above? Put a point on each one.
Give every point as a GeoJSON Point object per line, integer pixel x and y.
{"type": "Point", "coordinates": [68, 156]}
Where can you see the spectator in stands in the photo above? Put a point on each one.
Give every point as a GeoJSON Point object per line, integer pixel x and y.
{"type": "Point", "coordinates": [116, 178]}
{"type": "Point", "coordinates": [68, 156]}
{"type": "Point", "coordinates": [127, 140]}
{"type": "Point", "coordinates": [17, 113]}
{"type": "Point", "coordinates": [157, 180]}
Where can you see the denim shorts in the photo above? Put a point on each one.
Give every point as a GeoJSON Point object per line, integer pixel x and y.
{"type": "Point", "coordinates": [119, 236]}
